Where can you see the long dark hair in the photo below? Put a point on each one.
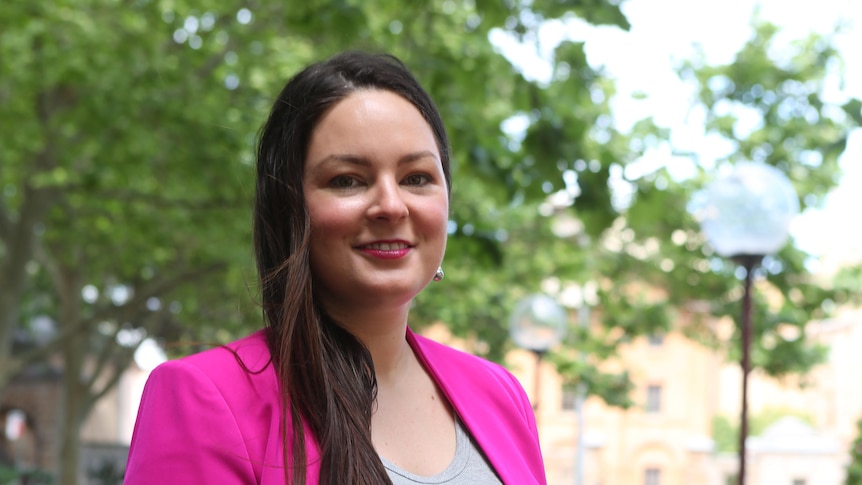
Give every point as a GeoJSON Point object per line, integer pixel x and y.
{"type": "Point", "coordinates": [326, 373]}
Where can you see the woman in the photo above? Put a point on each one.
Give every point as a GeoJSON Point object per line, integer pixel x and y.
{"type": "Point", "coordinates": [350, 224]}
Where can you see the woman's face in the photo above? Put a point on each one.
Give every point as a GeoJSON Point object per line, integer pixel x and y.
{"type": "Point", "coordinates": [377, 202]}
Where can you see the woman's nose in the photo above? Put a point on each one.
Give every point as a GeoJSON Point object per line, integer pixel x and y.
{"type": "Point", "coordinates": [387, 202]}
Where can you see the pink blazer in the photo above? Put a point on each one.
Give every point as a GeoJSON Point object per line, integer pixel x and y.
{"type": "Point", "coordinates": [206, 419]}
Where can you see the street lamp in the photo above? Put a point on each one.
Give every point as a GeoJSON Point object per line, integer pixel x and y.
{"type": "Point", "coordinates": [582, 297]}
{"type": "Point", "coordinates": [746, 215]}
{"type": "Point", "coordinates": [537, 323]}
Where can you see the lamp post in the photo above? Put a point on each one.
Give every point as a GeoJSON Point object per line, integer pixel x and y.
{"type": "Point", "coordinates": [746, 215]}
{"type": "Point", "coordinates": [582, 298]}
{"type": "Point", "coordinates": [580, 397]}
{"type": "Point", "coordinates": [537, 323]}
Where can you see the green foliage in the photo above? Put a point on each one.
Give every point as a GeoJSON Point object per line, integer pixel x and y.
{"type": "Point", "coordinates": [848, 281]}
{"type": "Point", "coordinates": [770, 415]}
{"type": "Point", "coordinates": [725, 431]}
{"type": "Point", "coordinates": [613, 387]}
{"type": "Point", "coordinates": [125, 190]}
{"type": "Point", "coordinates": [106, 473]}
{"type": "Point", "coordinates": [768, 105]}
{"type": "Point", "coordinates": [854, 469]}
{"type": "Point", "coordinates": [11, 476]}
{"type": "Point", "coordinates": [725, 434]}
{"type": "Point", "coordinates": [136, 123]}
{"type": "Point", "coordinates": [795, 130]}
{"type": "Point", "coordinates": [130, 174]}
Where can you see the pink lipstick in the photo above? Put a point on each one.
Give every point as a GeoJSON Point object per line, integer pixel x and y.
{"type": "Point", "coordinates": [386, 249]}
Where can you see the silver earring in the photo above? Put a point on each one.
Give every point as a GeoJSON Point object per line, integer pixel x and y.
{"type": "Point", "coordinates": [439, 274]}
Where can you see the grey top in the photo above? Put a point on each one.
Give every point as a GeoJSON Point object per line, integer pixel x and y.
{"type": "Point", "coordinates": [468, 467]}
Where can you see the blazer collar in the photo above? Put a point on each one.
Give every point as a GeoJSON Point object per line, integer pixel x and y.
{"type": "Point", "coordinates": [484, 421]}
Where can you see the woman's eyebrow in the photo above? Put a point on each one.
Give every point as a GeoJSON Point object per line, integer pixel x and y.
{"type": "Point", "coordinates": [415, 156]}
{"type": "Point", "coordinates": [363, 161]}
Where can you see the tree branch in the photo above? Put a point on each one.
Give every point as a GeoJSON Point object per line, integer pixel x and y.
{"type": "Point", "coordinates": [157, 287]}
{"type": "Point", "coordinates": [5, 222]}
{"type": "Point", "coordinates": [158, 201]}
{"type": "Point", "coordinates": [115, 359]}
{"type": "Point", "coordinates": [108, 350]}
{"type": "Point", "coordinates": [119, 367]}
{"type": "Point", "coordinates": [12, 367]}
{"type": "Point", "coordinates": [21, 241]}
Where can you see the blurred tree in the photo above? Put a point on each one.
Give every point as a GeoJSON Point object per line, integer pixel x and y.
{"type": "Point", "coordinates": [767, 105]}
{"type": "Point", "coordinates": [125, 187]}
{"type": "Point", "coordinates": [725, 430]}
{"type": "Point", "coordinates": [770, 105]}
{"type": "Point", "coordinates": [127, 165]}
{"type": "Point", "coordinates": [628, 230]}
{"type": "Point", "coordinates": [126, 184]}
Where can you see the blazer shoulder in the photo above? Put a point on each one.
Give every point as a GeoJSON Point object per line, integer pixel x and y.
{"type": "Point", "coordinates": [247, 356]}
{"type": "Point", "coordinates": [213, 417]}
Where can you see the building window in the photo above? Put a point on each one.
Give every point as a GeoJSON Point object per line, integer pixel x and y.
{"type": "Point", "coordinates": [652, 476]}
{"type": "Point", "coordinates": [570, 397]}
{"type": "Point", "coordinates": [653, 401]}
{"type": "Point", "coordinates": [656, 340]}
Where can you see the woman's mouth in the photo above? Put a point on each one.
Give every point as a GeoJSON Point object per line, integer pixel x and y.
{"type": "Point", "coordinates": [386, 249]}
{"type": "Point", "coordinates": [386, 246]}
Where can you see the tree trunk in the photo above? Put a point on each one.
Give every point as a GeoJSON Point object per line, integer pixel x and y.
{"type": "Point", "coordinates": [9, 309]}
{"type": "Point", "coordinates": [69, 451]}
{"type": "Point", "coordinates": [19, 239]}
{"type": "Point", "coordinates": [75, 400]}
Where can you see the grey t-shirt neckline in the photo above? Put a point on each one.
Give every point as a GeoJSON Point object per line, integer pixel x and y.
{"type": "Point", "coordinates": [466, 453]}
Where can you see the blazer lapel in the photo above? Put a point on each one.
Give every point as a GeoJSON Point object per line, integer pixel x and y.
{"type": "Point", "coordinates": [485, 406]}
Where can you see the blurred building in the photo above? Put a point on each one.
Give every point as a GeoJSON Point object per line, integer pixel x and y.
{"type": "Point", "coordinates": [30, 418]}
{"type": "Point", "coordinates": [681, 386]}
{"type": "Point", "coordinates": [663, 439]}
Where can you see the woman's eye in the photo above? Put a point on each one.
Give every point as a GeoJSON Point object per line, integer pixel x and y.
{"type": "Point", "coordinates": [343, 182]}
{"type": "Point", "coordinates": [417, 179]}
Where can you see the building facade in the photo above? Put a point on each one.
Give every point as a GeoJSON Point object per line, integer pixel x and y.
{"type": "Point", "coordinates": [666, 438]}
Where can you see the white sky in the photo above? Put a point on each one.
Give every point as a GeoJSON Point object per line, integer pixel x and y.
{"type": "Point", "coordinates": [663, 33]}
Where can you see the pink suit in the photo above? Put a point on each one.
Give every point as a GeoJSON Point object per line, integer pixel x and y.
{"type": "Point", "coordinates": [207, 419]}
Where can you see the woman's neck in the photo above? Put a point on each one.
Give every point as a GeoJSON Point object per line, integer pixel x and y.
{"type": "Point", "coordinates": [384, 334]}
